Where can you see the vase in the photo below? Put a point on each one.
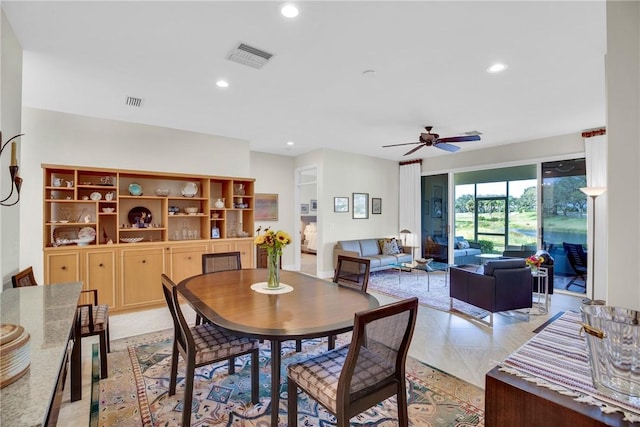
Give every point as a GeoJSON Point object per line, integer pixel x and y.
{"type": "Point", "coordinates": [534, 269]}
{"type": "Point", "coordinates": [273, 267]}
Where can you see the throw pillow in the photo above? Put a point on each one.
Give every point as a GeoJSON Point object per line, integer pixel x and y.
{"type": "Point", "coordinates": [463, 244]}
{"type": "Point", "coordinates": [389, 247]}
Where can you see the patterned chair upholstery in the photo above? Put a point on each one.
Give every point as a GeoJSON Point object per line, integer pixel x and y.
{"type": "Point", "coordinates": [202, 345]}
{"type": "Point", "coordinates": [350, 380]}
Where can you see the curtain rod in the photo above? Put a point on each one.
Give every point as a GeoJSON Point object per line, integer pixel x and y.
{"type": "Point", "coordinates": [410, 162]}
{"type": "Point", "coordinates": [594, 132]}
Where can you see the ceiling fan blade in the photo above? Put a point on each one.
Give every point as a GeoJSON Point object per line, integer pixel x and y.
{"type": "Point", "coordinates": [447, 147]}
{"type": "Point", "coordinates": [461, 138]}
{"type": "Point", "coordinates": [406, 143]}
{"type": "Point", "coordinates": [413, 150]}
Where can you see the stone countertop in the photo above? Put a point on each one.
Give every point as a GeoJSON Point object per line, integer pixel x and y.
{"type": "Point", "coordinates": [46, 313]}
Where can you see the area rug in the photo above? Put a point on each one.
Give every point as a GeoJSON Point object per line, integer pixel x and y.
{"type": "Point", "coordinates": [557, 358]}
{"type": "Point", "coordinates": [136, 392]}
{"type": "Point", "coordinates": [434, 293]}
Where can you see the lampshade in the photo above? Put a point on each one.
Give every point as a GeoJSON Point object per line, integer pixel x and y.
{"type": "Point", "coordinates": [405, 231]}
{"type": "Point", "coordinates": [593, 191]}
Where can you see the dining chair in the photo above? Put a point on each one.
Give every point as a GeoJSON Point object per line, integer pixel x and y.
{"type": "Point", "coordinates": [351, 379]}
{"type": "Point", "coordinates": [203, 345]}
{"type": "Point", "coordinates": [93, 317]}
{"type": "Point", "coordinates": [578, 260]}
{"type": "Point", "coordinates": [221, 261]}
{"type": "Point", "coordinates": [351, 272]}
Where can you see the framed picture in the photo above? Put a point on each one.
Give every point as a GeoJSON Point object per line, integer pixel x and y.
{"type": "Point", "coordinates": [427, 204]}
{"type": "Point", "coordinates": [341, 204]}
{"type": "Point", "coordinates": [304, 209]}
{"type": "Point", "coordinates": [215, 233]}
{"type": "Point", "coordinates": [376, 206]}
{"type": "Point", "coordinates": [314, 205]}
{"type": "Point", "coordinates": [266, 206]}
{"type": "Point", "coordinates": [360, 205]}
{"type": "Point", "coordinates": [437, 208]}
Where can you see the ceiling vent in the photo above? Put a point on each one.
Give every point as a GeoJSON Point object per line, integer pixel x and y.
{"type": "Point", "coordinates": [134, 102]}
{"type": "Point", "coordinates": [248, 55]}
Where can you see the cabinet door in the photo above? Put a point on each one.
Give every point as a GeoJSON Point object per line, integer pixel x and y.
{"type": "Point", "coordinates": [140, 271]}
{"type": "Point", "coordinates": [246, 248]}
{"type": "Point", "coordinates": [223, 246]}
{"type": "Point", "coordinates": [186, 261]}
{"type": "Point", "coordinates": [62, 267]}
{"type": "Point", "coordinates": [100, 274]}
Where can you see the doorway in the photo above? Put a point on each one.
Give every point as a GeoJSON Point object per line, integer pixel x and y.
{"type": "Point", "coordinates": [307, 179]}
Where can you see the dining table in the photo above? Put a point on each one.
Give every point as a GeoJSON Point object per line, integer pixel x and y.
{"type": "Point", "coordinates": [304, 307]}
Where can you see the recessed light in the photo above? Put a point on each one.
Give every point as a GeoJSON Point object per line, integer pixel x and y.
{"type": "Point", "coordinates": [291, 143]}
{"type": "Point", "coordinates": [498, 67]}
{"type": "Point", "coordinates": [222, 83]}
{"type": "Point", "coordinates": [289, 11]}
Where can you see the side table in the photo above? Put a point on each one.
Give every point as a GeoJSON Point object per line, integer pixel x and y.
{"type": "Point", "coordinates": [541, 275]}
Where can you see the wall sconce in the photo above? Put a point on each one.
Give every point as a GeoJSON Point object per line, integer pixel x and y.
{"type": "Point", "coordinates": [16, 181]}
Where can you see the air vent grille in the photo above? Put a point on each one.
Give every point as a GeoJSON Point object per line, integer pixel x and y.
{"type": "Point", "coordinates": [249, 55]}
{"type": "Point", "coordinates": [134, 102]}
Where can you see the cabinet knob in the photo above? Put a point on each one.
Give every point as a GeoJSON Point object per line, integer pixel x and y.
{"type": "Point", "coordinates": [144, 261]}
{"type": "Point", "coordinates": [100, 265]}
{"type": "Point", "coordinates": [64, 267]}
{"type": "Point", "coordinates": [188, 257]}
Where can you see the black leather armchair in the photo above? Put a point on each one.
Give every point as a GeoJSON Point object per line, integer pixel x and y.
{"type": "Point", "coordinates": [504, 285]}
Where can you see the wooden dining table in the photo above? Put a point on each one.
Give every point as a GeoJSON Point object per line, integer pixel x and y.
{"type": "Point", "coordinates": [314, 308]}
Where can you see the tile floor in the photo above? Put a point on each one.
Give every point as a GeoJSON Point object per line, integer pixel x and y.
{"type": "Point", "coordinates": [459, 346]}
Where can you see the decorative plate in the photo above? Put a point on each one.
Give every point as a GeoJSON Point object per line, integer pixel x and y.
{"type": "Point", "coordinates": [131, 239]}
{"type": "Point", "coordinates": [135, 189]}
{"type": "Point", "coordinates": [139, 212]}
{"type": "Point", "coordinates": [190, 189]}
{"type": "Point", "coordinates": [86, 233]}
{"type": "Point", "coordinates": [95, 196]}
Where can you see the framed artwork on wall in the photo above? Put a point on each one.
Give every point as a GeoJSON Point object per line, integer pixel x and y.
{"type": "Point", "coordinates": [266, 207]}
{"type": "Point", "coordinates": [360, 205]}
{"type": "Point", "coordinates": [314, 205]}
{"type": "Point", "coordinates": [304, 209]}
{"type": "Point", "coordinates": [341, 204]}
{"type": "Point", "coordinates": [376, 206]}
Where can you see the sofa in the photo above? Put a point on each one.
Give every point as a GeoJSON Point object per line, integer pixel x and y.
{"type": "Point", "coordinates": [464, 252]}
{"type": "Point", "coordinates": [503, 285]}
{"type": "Point", "coordinates": [371, 249]}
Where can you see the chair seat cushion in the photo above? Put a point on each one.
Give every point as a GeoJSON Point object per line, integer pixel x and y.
{"type": "Point", "coordinates": [215, 344]}
{"type": "Point", "coordinates": [319, 375]}
{"type": "Point", "coordinates": [100, 318]}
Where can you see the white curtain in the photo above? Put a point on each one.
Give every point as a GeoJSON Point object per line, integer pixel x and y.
{"type": "Point", "coordinates": [409, 209]}
{"type": "Point", "coordinates": [596, 162]}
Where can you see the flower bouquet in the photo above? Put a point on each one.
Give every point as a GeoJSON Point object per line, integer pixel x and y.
{"type": "Point", "coordinates": [534, 262]}
{"type": "Point", "coordinates": [273, 242]}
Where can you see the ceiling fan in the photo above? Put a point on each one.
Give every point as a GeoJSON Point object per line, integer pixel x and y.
{"type": "Point", "coordinates": [433, 139]}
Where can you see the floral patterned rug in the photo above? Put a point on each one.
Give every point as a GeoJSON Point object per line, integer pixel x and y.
{"type": "Point", "coordinates": [432, 290]}
{"type": "Point", "coordinates": [136, 392]}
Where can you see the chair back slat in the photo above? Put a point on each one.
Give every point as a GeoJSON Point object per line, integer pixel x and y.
{"type": "Point", "coordinates": [352, 272]}
{"type": "Point", "coordinates": [223, 261]}
{"type": "Point", "coordinates": [182, 333]}
{"type": "Point", "coordinates": [576, 256]}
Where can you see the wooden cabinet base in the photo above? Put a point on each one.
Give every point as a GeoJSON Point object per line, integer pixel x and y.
{"type": "Point", "coordinates": [512, 401]}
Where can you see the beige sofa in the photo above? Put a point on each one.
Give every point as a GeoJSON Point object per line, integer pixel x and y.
{"type": "Point", "coordinates": [370, 249]}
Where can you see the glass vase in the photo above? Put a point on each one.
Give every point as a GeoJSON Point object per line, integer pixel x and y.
{"type": "Point", "coordinates": [534, 269]}
{"type": "Point", "coordinates": [273, 266]}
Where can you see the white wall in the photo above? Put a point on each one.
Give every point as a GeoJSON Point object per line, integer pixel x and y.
{"type": "Point", "coordinates": [10, 124]}
{"type": "Point", "coordinates": [274, 174]}
{"type": "Point", "coordinates": [69, 139]}
{"type": "Point", "coordinates": [623, 135]}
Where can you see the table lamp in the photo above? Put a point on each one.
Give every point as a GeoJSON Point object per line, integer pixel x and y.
{"type": "Point", "coordinates": [404, 232]}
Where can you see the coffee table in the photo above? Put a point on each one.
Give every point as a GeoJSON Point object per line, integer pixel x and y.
{"type": "Point", "coordinates": [429, 267]}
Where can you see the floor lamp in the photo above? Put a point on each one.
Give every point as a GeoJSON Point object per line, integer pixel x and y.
{"type": "Point", "coordinates": [593, 193]}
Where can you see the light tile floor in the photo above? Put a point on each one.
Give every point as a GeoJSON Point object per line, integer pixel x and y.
{"type": "Point", "coordinates": [459, 346]}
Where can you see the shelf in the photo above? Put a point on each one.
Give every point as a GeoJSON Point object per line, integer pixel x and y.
{"type": "Point", "coordinates": [129, 230]}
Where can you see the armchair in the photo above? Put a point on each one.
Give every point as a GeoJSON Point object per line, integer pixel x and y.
{"type": "Point", "coordinates": [504, 285]}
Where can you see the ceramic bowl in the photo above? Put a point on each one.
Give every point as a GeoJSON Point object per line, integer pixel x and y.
{"type": "Point", "coordinates": [108, 210]}
{"type": "Point", "coordinates": [162, 192]}
{"type": "Point", "coordinates": [191, 210]}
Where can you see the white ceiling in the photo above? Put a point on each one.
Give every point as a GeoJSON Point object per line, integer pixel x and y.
{"type": "Point", "coordinates": [430, 61]}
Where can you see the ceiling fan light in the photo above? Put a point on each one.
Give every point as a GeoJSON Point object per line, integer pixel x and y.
{"type": "Point", "coordinates": [498, 67]}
